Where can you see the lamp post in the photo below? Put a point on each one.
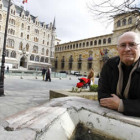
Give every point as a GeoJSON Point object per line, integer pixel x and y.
{"type": "Point", "coordinates": [3, 54]}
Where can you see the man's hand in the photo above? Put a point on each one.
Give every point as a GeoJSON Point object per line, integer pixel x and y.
{"type": "Point", "coordinates": [111, 103]}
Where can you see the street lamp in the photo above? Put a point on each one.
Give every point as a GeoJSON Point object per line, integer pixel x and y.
{"type": "Point", "coordinates": [3, 54]}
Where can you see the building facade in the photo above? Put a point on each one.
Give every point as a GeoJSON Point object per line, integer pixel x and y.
{"type": "Point", "coordinates": [84, 54]}
{"type": "Point", "coordinates": [30, 43]}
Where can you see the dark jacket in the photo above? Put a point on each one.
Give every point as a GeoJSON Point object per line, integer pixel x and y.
{"type": "Point", "coordinates": [108, 83]}
{"type": "Point", "coordinates": [43, 71]}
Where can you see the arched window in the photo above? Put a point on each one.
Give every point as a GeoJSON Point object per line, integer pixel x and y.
{"type": "Point", "coordinates": [10, 43]}
{"type": "Point", "coordinates": [27, 47]}
{"type": "Point", "coordinates": [47, 43]}
{"type": "Point", "coordinates": [11, 11]}
{"type": "Point", "coordinates": [22, 25]}
{"type": "Point", "coordinates": [65, 47]}
{"type": "Point", "coordinates": [124, 22]}
{"type": "Point", "coordinates": [13, 54]}
{"type": "Point", "coordinates": [79, 45]}
{"type": "Point", "coordinates": [109, 40]}
{"type": "Point", "coordinates": [130, 20]}
{"type": "Point", "coordinates": [32, 57]}
{"type": "Point", "coordinates": [0, 17]}
{"type": "Point", "coordinates": [73, 46]}
{"type": "Point", "coordinates": [14, 12]}
{"type": "Point", "coordinates": [37, 58]}
{"type": "Point", "coordinates": [42, 51]}
{"type": "Point", "coordinates": [46, 60]}
{"type": "Point", "coordinates": [104, 41]}
{"type": "Point", "coordinates": [42, 59]}
{"type": "Point", "coordinates": [70, 46]}
{"type": "Point", "coordinates": [7, 53]}
{"type": "Point", "coordinates": [87, 44]}
{"type": "Point", "coordinates": [118, 23]}
{"type": "Point", "coordinates": [95, 42]}
{"type": "Point", "coordinates": [21, 35]}
{"type": "Point", "coordinates": [20, 46]}
{"type": "Point", "coordinates": [0, 6]}
{"type": "Point", "coordinates": [27, 36]}
{"type": "Point", "coordinates": [28, 28]}
{"type": "Point", "coordinates": [47, 52]}
{"type": "Point", "coordinates": [43, 41]}
{"type": "Point", "coordinates": [48, 35]}
{"type": "Point", "coordinates": [83, 44]}
{"type": "Point", "coordinates": [35, 49]}
{"type": "Point", "coordinates": [91, 43]}
{"type": "Point", "coordinates": [99, 42]}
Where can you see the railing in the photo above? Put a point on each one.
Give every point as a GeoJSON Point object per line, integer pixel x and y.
{"type": "Point", "coordinates": [34, 74]}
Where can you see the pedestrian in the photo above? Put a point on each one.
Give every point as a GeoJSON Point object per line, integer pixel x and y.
{"type": "Point", "coordinates": [48, 74]}
{"type": "Point", "coordinates": [119, 82]}
{"type": "Point", "coordinates": [43, 73]}
{"type": "Point", "coordinates": [7, 69]}
{"type": "Point", "coordinates": [91, 77]}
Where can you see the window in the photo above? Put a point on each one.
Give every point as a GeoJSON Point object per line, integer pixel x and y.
{"type": "Point", "coordinates": [35, 49]}
{"type": "Point", "coordinates": [42, 51]}
{"type": "Point", "coordinates": [109, 40]}
{"type": "Point", "coordinates": [10, 43]}
{"type": "Point", "coordinates": [118, 23]}
{"type": "Point", "coordinates": [91, 43]}
{"type": "Point", "coordinates": [13, 54]}
{"type": "Point", "coordinates": [73, 46]}
{"type": "Point", "coordinates": [22, 25]}
{"type": "Point", "coordinates": [32, 57]}
{"type": "Point", "coordinates": [104, 41]}
{"type": "Point", "coordinates": [99, 42]}
{"type": "Point", "coordinates": [47, 52]}
{"type": "Point", "coordinates": [44, 33]}
{"type": "Point", "coordinates": [7, 53]}
{"type": "Point", "coordinates": [21, 35]}
{"type": "Point", "coordinates": [80, 45]}
{"type": "Point", "coordinates": [28, 28]}
{"type": "Point", "coordinates": [83, 44]}
{"type": "Point", "coordinates": [42, 59]}
{"type": "Point", "coordinates": [48, 36]}
{"type": "Point", "coordinates": [76, 45]}
{"type": "Point", "coordinates": [43, 41]}
{"type": "Point", "coordinates": [87, 44]}
{"type": "Point", "coordinates": [0, 17]}
{"type": "Point", "coordinates": [29, 19]}
{"type": "Point", "coordinates": [46, 60]}
{"type": "Point", "coordinates": [28, 37]}
{"type": "Point", "coordinates": [95, 42]}
{"type": "Point", "coordinates": [37, 58]}
{"type": "Point", "coordinates": [27, 47]}
{"type": "Point", "coordinates": [20, 46]}
{"type": "Point", "coordinates": [130, 20]}
{"type": "Point", "coordinates": [47, 43]}
{"type": "Point", "coordinates": [70, 46]}
{"type": "Point", "coordinates": [0, 6]}
{"type": "Point", "coordinates": [124, 22]}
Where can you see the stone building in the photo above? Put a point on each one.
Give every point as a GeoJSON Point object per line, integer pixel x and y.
{"type": "Point", "coordinates": [84, 54]}
{"type": "Point", "coordinates": [30, 42]}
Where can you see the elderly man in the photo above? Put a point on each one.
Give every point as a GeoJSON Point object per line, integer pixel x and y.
{"type": "Point", "coordinates": [119, 83]}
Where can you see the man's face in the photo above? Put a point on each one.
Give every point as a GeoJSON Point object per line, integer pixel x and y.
{"type": "Point", "coordinates": [129, 54]}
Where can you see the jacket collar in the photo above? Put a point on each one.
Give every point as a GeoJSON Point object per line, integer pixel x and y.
{"type": "Point", "coordinates": [113, 62]}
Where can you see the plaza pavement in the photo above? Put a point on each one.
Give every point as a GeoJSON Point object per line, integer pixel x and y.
{"type": "Point", "coordinates": [21, 94]}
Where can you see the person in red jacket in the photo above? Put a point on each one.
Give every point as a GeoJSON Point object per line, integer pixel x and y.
{"type": "Point", "coordinates": [119, 82]}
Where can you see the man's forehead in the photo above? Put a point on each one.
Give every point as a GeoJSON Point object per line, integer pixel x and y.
{"type": "Point", "coordinates": [129, 37]}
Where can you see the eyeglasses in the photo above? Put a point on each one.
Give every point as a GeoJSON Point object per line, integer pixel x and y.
{"type": "Point", "coordinates": [131, 45]}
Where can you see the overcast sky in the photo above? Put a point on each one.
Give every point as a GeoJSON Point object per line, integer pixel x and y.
{"type": "Point", "coordinates": [73, 19]}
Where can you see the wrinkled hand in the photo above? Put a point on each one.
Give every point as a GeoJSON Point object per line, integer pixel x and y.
{"type": "Point", "coordinates": [111, 103]}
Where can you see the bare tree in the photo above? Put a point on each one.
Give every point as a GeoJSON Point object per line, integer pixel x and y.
{"type": "Point", "coordinates": [107, 9]}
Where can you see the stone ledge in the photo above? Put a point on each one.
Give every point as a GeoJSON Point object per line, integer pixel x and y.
{"type": "Point", "coordinates": [65, 93]}
{"type": "Point", "coordinates": [58, 118]}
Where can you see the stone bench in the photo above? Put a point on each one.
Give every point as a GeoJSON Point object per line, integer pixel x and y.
{"type": "Point", "coordinates": [57, 120]}
{"type": "Point", "coordinates": [65, 93]}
